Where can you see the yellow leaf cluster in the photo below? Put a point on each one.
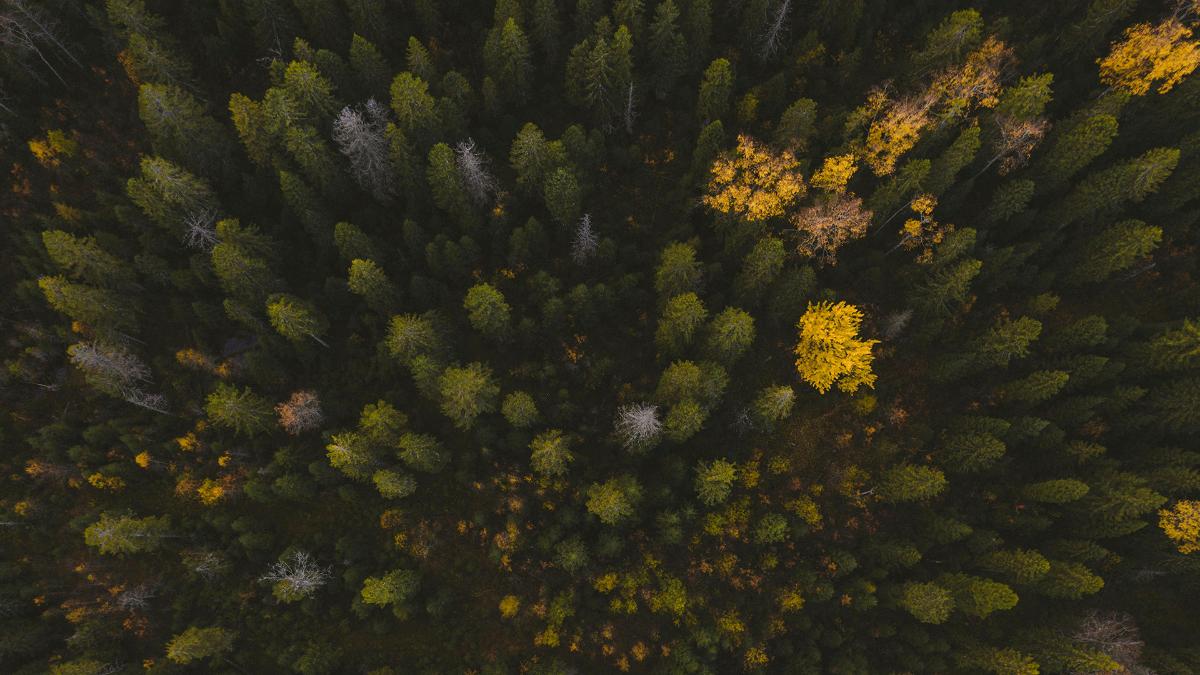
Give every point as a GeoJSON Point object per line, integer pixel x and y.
{"type": "Point", "coordinates": [976, 82]}
{"type": "Point", "coordinates": [895, 133]}
{"type": "Point", "coordinates": [830, 352]}
{"type": "Point", "coordinates": [754, 183]}
{"type": "Point", "coordinates": [1182, 524]}
{"type": "Point", "coordinates": [923, 232]}
{"type": "Point", "coordinates": [102, 482]}
{"type": "Point", "coordinates": [835, 172]}
{"type": "Point", "coordinates": [210, 492]}
{"type": "Point", "coordinates": [509, 605]}
{"type": "Point", "coordinates": [142, 459]}
{"type": "Point", "coordinates": [51, 150]}
{"type": "Point", "coordinates": [1160, 54]}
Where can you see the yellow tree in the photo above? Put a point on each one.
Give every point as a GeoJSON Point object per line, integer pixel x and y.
{"type": "Point", "coordinates": [923, 232]}
{"type": "Point", "coordinates": [834, 173]}
{"type": "Point", "coordinates": [1150, 55]}
{"type": "Point", "coordinates": [1182, 524]}
{"type": "Point", "coordinates": [975, 83]}
{"type": "Point", "coordinates": [896, 129]}
{"type": "Point", "coordinates": [753, 182]}
{"type": "Point", "coordinates": [830, 352]}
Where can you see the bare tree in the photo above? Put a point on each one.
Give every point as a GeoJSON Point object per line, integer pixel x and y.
{"type": "Point", "coordinates": [827, 225]}
{"type": "Point", "coordinates": [630, 110]}
{"type": "Point", "coordinates": [638, 425]}
{"type": "Point", "coordinates": [772, 38]}
{"type": "Point", "coordinates": [116, 372]}
{"type": "Point", "coordinates": [584, 245]}
{"type": "Point", "coordinates": [1016, 141]}
{"type": "Point", "coordinates": [1115, 634]}
{"type": "Point", "coordinates": [199, 229]}
{"type": "Point", "coordinates": [472, 167]}
{"type": "Point", "coordinates": [137, 597]}
{"type": "Point", "coordinates": [208, 564]}
{"type": "Point", "coordinates": [23, 28]}
{"type": "Point", "coordinates": [895, 323]}
{"type": "Point", "coordinates": [300, 413]}
{"type": "Point", "coordinates": [298, 573]}
{"type": "Point", "coordinates": [362, 139]}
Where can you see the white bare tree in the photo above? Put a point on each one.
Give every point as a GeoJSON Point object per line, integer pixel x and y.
{"type": "Point", "coordinates": [360, 136]}
{"type": "Point", "coordinates": [25, 29]}
{"type": "Point", "coordinates": [1115, 634]}
{"type": "Point", "coordinates": [116, 372]}
{"type": "Point", "coordinates": [584, 245]}
{"type": "Point", "coordinates": [772, 38]}
{"type": "Point", "coordinates": [199, 229]}
{"type": "Point", "coordinates": [630, 110]}
{"type": "Point", "coordinates": [298, 573]}
{"type": "Point", "coordinates": [472, 167]}
{"type": "Point", "coordinates": [638, 425]}
{"type": "Point", "coordinates": [208, 564]}
{"type": "Point", "coordinates": [137, 597]}
{"type": "Point", "coordinates": [895, 323]}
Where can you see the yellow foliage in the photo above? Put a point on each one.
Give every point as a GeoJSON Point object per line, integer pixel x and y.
{"type": "Point", "coordinates": [731, 623]}
{"type": "Point", "coordinates": [829, 351]}
{"type": "Point", "coordinates": [834, 173]}
{"type": "Point", "coordinates": [210, 492]}
{"type": "Point", "coordinates": [1182, 524]}
{"type": "Point", "coordinates": [791, 599]}
{"type": "Point", "coordinates": [895, 133]}
{"type": "Point", "coordinates": [606, 582]}
{"type": "Point", "coordinates": [102, 482]}
{"type": "Point", "coordinates": [756, 658]}
{"type": "Point", "coordinates": [754, 183]}
{"type": "Point", "coordinates": [1160, 54]}
{"type": "Point", "coordinates": [51, 150]}
{"type": "Point", "coordinates": [923, 232]}
{"type": "Point", "coordinates": [509, 606]}
{"type": "Point", "coordinates": [142, 459]}
{"type": "Point", "coordinates": [975, 83]}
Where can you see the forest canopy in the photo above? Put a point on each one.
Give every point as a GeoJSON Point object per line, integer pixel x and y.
{"type": "Point", "coordinates": [579, 336]}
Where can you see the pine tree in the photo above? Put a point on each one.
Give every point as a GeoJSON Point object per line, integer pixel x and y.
{"type": "Point", "coordinates": [506, 58]}
{"type": "Point", "coordinates": [1117, 248]}
{"type": "Point", "coordinates": [296, 319]}
{"type": "Point", "coordinates": [714, 481]}
{"type": "Point", "coordinates": [468, 392]}
{"type": "Point", "coordinates": [168, 194]}
{"type": "Point", "coordinates": [614, 500]}
{"type": "Point", "coordinates": [422, 452]}
{"type": "Point", "coordinates": [197, 644]}
{"type": "Point", "coordinates": [180, 129]}
{"type": "Point", "coordinates": [716, 89]}
{"type": "Point", "coordinates": [927, 602]}
{"type": "Point", "coordinates": [243, 411]}
{"type": "Point", "coordinates": [84, 260]}
{"type": "Point", "coordinates": [101, 309]}
{"type": "Point", "coordinates": [126, 534]}
{"type": "Point", "coordinates": [730, 334]}
{"type": "Point", "coordinates": [667, 49]}
{"type": "Point", "coordinates": [369, 280]}
{"type": "Point", "coordinates": [487, 310]}
{"type": "Point", "coordinates": [682, 317]}
{"type": "Point", "coordinates": [551, 453]}
{"type": "Point", "coordinates": [908, 482]}
{"type": "Point", "coordinates": [1104, 192]}
{"type": "Point", "coordinates": [1074, 149]}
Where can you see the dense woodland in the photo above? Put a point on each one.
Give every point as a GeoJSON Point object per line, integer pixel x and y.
{"type": "Point", "coordinates": [580, 336]}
